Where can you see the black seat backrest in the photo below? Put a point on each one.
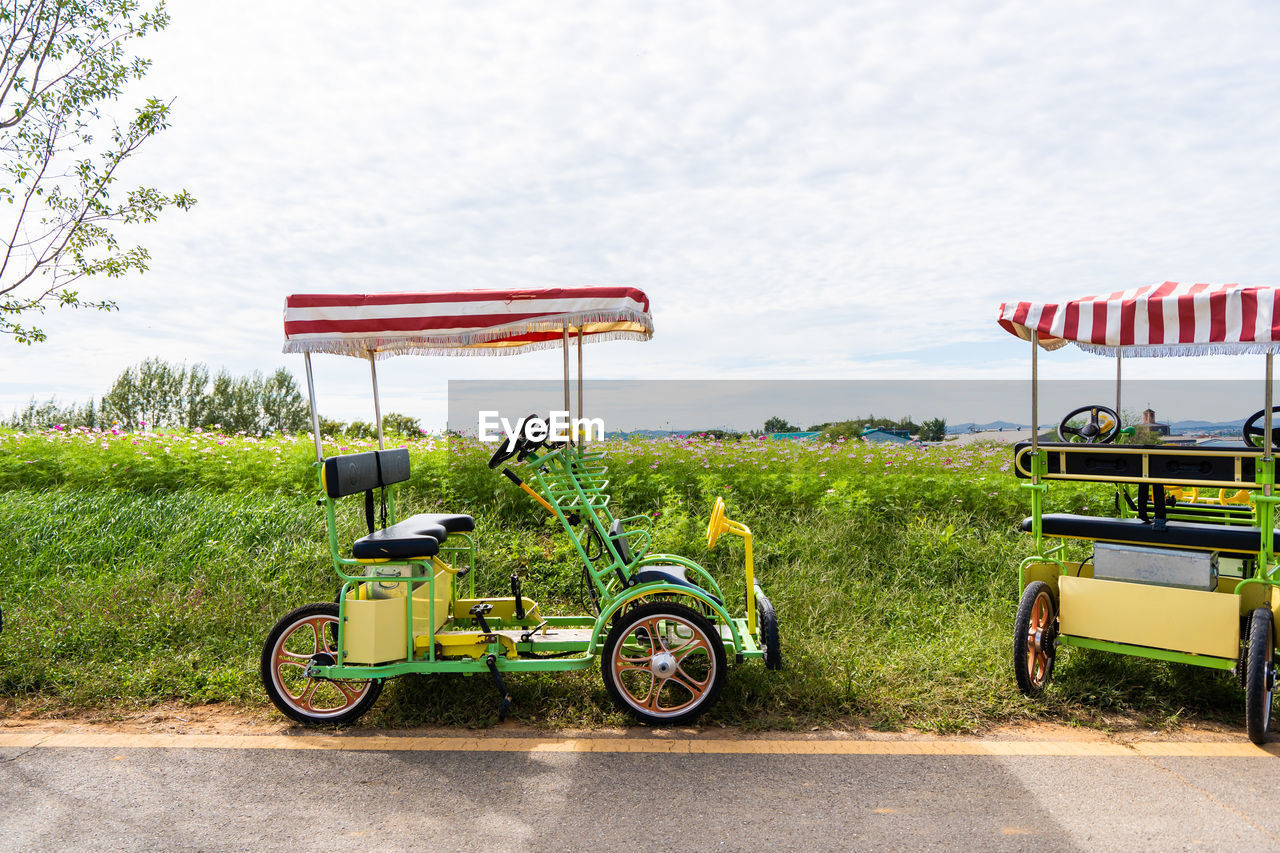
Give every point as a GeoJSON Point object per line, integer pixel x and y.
{"type": "Point", "coordinates": [619, 540]}
{"type": "Point", "coordinates": [350, 474]}
{"type": "Point", "coordinates": [393, 466]}
{"type": "Point", "coordinates": [362, 472]}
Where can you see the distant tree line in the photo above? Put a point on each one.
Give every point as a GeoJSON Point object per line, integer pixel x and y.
{"type": "Point", "coordinates": [156, 394]}
{"type": "Point", "coordinates": [934, 429]}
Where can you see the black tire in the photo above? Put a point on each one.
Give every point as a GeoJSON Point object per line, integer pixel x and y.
{"type": "Point", "coordinates": [1260, 678]}
{"type": "Point", "coordinates": [768, 620]}
{"type": "Point", "coordinates": [1035, 635]}
{"type": "Point", "coordinates": [698, 673]}
{"type": "Point", "coordinates": [300, 637]}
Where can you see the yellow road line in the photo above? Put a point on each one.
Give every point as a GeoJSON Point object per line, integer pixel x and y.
{"type": "Point", "coordinates": [683, 746]}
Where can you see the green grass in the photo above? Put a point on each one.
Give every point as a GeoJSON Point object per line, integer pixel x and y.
{"type": "Point", "coordinates": [149, 569]}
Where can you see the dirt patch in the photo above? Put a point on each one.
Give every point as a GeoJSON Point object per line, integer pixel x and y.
{"type": "Point", "coordinates": [224, 719]}
{"type": "Point", "coordinates": [186, 719]}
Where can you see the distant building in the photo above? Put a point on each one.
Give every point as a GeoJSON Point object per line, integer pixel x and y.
{"type": "Point", "coordinates": [796, 436]}
{"type": "Point", "coordinates": [884, 435]}
{"type": "Point", "coordinates": [1150, 425]}
{"type": "Point", "coordinates": [901, 433]}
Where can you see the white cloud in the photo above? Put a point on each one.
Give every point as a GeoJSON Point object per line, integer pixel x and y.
{"type": "Point", "coordinates": [815, 190]}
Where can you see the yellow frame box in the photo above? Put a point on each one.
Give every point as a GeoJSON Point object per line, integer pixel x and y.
{"type": "Point", "coordinates": [375, 630]}
{"type": "Point", "coordinates": [1183, 620]}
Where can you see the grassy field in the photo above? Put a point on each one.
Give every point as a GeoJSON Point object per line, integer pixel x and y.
{"type": "Point", "coordinates": [148, 568]}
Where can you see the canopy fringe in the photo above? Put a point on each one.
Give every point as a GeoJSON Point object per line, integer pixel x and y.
{"type": "Point", "coordinates": [1172, 350]}
{"type": "Point", "coordinates": [385, 346]}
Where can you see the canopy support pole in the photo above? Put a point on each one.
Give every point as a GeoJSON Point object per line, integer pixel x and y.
{"type": "Point", "coordinates": [1119, 356]}
{"type": "Point", "coordinates": [582, 440]}
{"type": "Point", "coordinates": [315, 417]}
{"type": "Point", "coordinates": [377, 404]}
{"type": "Point", "coordinates": [1266, 441]}
{"type": "Point", "coordinates": [1037, 490]}
{"type": "Point", "coordinates": [1035, 407]}
{"type": "Point", "coordinates": [565, 340]}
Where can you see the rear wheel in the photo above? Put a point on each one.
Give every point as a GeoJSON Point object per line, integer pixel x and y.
{"type": "Point", "coordinates": [663, 663]}
{"type": "Point", "coordinates": [1035, 634]}
{"type": "Point", "coordinates": [1260, 675]}
{"type": "Point", "coordinates": [302, 638]}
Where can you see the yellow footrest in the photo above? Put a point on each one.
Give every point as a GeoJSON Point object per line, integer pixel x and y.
{"type": "Point", "coordinates": [501, 608]}
{"type": "Point", "coordinates": [472, 644]}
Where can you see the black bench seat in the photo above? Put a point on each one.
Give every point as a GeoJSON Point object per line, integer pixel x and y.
{"type": "Point", "coordinates": [451, 522]}
{"type": "Point", "coordinates": [669, 574]}
{"type": "Point", "coordinates": [417, 536]}
{"type": "Point", "coordinates": [413, 537]}
{"type": "Point", "coordinates": [1236, 539]}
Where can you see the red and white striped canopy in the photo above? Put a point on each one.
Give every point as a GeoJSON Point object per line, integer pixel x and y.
{"type": "Point", "coordinates": [465, 322]}
{"type": "Point", "coordinates": [1156, 320]}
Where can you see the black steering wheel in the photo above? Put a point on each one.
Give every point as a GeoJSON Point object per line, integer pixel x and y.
{"type": "Point", "coordinates": [506, 449]}
{"type": "Point", "coordinates": [1097, 430]}
{"type": "Point", "coordinates": [520, 446]}
{"type": "Point", "coordinates": [1253, 431]}
{"type": "Point", "coordinates": [526, 445]}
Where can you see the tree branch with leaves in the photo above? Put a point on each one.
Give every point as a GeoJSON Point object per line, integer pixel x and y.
{"type": "Point", "coordinates": [61, 62]}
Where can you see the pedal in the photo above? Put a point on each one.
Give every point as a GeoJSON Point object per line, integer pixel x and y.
{"type": "Point", "coordinates": [478, 612]}
{"type": "Point", "coordinates": [515, 593]}
{"type": "Point", "coordinates": [527, 636]}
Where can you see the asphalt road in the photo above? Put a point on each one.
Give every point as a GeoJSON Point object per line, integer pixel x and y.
{"type": "Point", "coordinates": [136, 799]}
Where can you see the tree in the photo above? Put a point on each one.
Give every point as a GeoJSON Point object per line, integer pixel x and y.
{"type": "Point", "coordinates": [934, 429]}
{"type": "Point", "coordinates": [852, 429]}
{"type": "Point", "coordinates": [153, 393]}
{"type": "Point", "coordinates": [122, 403]}
{"type": "Point", "coordinates": [331, 427]}
{"type": "Point", "coordinates": [779, 425]}
{"type": "Point", "coordinates": [283, 409]}
{"type": "Point", "coordinates": [195, 401]}
{"type": "Point", "coordinates": [47, 414]}
{"type": "Point", "coordinates": [398, 424]}
{"type": "Point", "coordinates": [160, 387]}
{"type": "Point", "coordinates": [60, 60]}
{"type": "Point", "coordinates": [235, 403]}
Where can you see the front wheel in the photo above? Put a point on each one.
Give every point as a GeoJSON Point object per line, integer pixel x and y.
{"type": "Point", "coordinates": [663, 663]}
{"type": "Point", "coordinates": [1035, 632]}
{"type": "Point", "coordinates": [768, 621]}
{"type": "Point", "coordinates": [1260, 675]}
{"type": "Point", "coordinates": [304, 637]}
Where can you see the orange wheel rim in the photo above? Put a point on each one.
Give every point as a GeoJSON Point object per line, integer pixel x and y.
{"type": "Point", "coordinates": [664, 665]}
{"type": "Point", "coordinates": [1037, 628]}
{"type": "Point", "coordinates": [294, 652]}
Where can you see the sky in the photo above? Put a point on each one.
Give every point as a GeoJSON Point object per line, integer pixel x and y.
{"type": "Point", "coordinates": [804, 190]}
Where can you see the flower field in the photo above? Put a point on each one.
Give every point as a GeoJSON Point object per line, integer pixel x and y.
{"type": "Point", "coordinates": [148, 567]}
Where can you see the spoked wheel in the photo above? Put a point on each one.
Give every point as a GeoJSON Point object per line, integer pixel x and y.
{"type": "Point", "coordinates": [663, 663]}
{"type": "Point", "coordinates": [1260, 675]}
{"type": "Point", "coordinates": [304, 637]}
{"type": "Point", "coordinates": [1035, 632]}
{"type": "Point", "coordinates": [768, 620]}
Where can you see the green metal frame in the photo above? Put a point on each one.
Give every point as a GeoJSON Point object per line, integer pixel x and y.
{"type": "Point", "coordinates": [573, 482]}
{"type": "Point", "coordinates": [1147, 652]}
{"type": "Point", "coordinates": [1266, 569]}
